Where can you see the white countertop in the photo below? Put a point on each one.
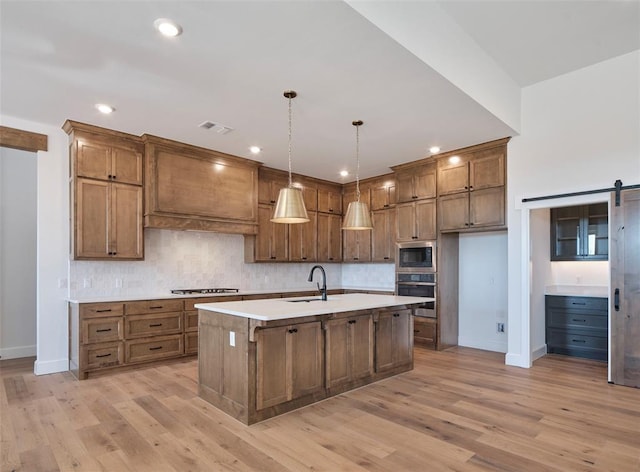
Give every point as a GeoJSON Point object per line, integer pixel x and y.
{"type": "Point", "coordinates": [169, 296]}
{"type": "Point", "coordinates": [284, 308]}
{"type": "Point", "coordinates": [599, 291]}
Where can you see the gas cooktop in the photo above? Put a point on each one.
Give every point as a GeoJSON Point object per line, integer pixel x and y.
{"type": "Point", "coordinates": [187, 291]}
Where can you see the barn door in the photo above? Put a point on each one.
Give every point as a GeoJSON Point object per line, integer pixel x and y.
{"type": "Point", "coordinates": [625, 287]}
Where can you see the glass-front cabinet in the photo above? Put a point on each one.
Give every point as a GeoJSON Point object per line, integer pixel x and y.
{"type": "Point", "coordinates": [580, 233]}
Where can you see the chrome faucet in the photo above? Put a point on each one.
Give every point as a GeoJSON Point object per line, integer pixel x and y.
{"type": "Point", "coordinates": [323, 290]}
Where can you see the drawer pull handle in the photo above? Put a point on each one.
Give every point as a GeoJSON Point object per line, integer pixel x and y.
{"type": "Point", "coordinates": [155, 307]}
{"type": "Point", "coordinates": [578, 303]}
{"type": "Point", "coordinates": [104, 355]}
{"type": "Point", "coordinates": [616, 299]}
{"type": "Point", "coordinates": [294, 330]}
{"type": "Point", "coordinates": [578, 341]}
{"type": "Point", "coordinates": [396, 315]}
{"type": "Point", "coordinates": [352, 321]}
{"type": "Point", "coordinates": [581, 321]}
{"type": "Point", "coordinates": [155, 348]}
{"type": "Point", "coordinates": [103, 311]}
{"type": "Point", "coordinates": [155, 325]}
{"type": "Point", "coordinates": [104, 330]}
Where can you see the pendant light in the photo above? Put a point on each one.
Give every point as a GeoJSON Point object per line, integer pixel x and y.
{"type": "Point", "coordinates": [358, 216]}
{"type": "Point", "coordinates": [290, 206]}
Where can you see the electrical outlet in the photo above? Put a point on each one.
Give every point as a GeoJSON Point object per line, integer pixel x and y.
{"type": "Point", "coordinates": [232, 338]}
{"type": "Point", "coordinates": [118, 283]}
{"type": "Point", "coordinates": [86, 283]}
{"type": "Point", "coordinates": [500, 327]}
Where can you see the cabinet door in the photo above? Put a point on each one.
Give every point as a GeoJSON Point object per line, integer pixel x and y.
{"type": "Point", "coordinates": [425, 181]}
{"type": "Point", "coordinates": [383, 196]}
{"type": "Point", "coordinates": [329, 238]}
{"type": "Point", "coordinates": [404, 187]}
{"type": "Point", "coordinates": [356, 246]}
{"type": "Point", "coordinates": [486, 207]}
{"type": "Point", "coordinates": [384, 341]}
{"type": "Point", "coordinates": [425, 211]}
{"type": "Point", "coordinates": [596, 232]}
{"type": "Point", "coordinates": [93, 160]}
{"type": "Point", "coordinates": [383, 235]}
{"type": "Point", "coordinates": [453, 178]}
{"type": "Point", "coordinates": [329, 200]}
{"type": "Point", "coordinates": [405, 222]}
{"type": "Point", "coordinates": [310, 197]}
{"type": "Point", "coordinates": [272, 239]}
{"type": "Point", "coordinates": [126, 166]}
{"type": "Point", "coordinates": [91, 219]}
{"type": "Point", "coordinates": [487, 169]}
{"type": "Point", "coordinates": [394, 339]}
{"type": "Point", "coordinates": [125, 232]}
{"type": "Point", "coordinates": [306, 358]}
{"type": "Point", "coordinates": [361, 346]}
{"type": "Point", "coordinates": [453, 211]}
{"type": "Point", "coordinates": [271, 358]}
{"type": "Point", "coordinates": [337, 352]}
{"type": "Point", "coordinates": [302, 239]}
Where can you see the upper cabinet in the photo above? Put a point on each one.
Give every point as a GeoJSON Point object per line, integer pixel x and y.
{"type": "Point", "coordinates": [194, 188]}
{"type": "Point", "coordinates": [415, 182]}
{"type": "Point", "coordinates": [330, 199]}
{"type": "Point", "coordinates": [580, 233]}
{"type": "Point", "coordinates": [383, 192]}
{"type": "Point", "coordinates": [471, 188]}
{"type": "Point", "coordinates": [105, 193]}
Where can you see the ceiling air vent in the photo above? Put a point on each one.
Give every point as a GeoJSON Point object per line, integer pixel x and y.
{"type": "Point", "coordinates": [217, 127]}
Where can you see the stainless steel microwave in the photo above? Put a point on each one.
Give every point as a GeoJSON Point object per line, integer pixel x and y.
{"type": "Point", "coordinates": [416, 256]}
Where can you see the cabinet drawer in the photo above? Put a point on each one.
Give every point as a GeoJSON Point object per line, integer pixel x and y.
{"type": "Point", "coordinates": [191, 343]}
{"type": "Point", "coordinates": [583, 303]}
{"type": "Point", "coordinates": [97, 330]}
{"type": "Point", "coordinates": [561, 337]}
{"type": "Point", "coordinates": [190, 321]}
{"type": "Point", "coordinates": [189, 304]}
{"type": "Point", "coordinates": [562, 318]}
{"type": "Point", "coordinates": [94, 310]}
{"type": "Point", "coordinates": [96, 356]}
{"type": "Point", "coordinates": [153, 306]}
{"type": "Point", "coordinates": [138, 326]}
{"type": "Point", "coordinates": [141, 350]}
{"type": "Point", "coordinates": [425, 330]}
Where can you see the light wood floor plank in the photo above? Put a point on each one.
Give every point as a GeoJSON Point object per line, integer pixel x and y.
{"type": "Point", "coordinates": [458, 410]}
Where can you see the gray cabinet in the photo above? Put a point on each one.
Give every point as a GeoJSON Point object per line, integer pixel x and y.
{"type": "Point", "coordinates": [577, 326]}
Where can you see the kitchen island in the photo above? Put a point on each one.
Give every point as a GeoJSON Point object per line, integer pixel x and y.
{"type": "Point", "coordinates": [260, 358]}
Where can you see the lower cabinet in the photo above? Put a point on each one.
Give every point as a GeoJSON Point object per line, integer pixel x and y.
{"type": "Point", "coordinates": [348, 349]}
{"type": "Point", "coordinates": [288, 363]}
{"type": "Point", "coordinates": [577, 326]}
{"type": "Point", "coordinates": [394, 339]}
{"type": "Point", "coordinates": [425, 331]}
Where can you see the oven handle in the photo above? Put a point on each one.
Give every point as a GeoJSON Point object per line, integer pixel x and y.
{"type": "Point", "coordinates": [417, 284]}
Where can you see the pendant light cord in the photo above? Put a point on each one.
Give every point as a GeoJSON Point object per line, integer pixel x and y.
{"type": "Point", "coordinates": [290, 181]}
{"type": "Point", "coordinates": [357, 161]}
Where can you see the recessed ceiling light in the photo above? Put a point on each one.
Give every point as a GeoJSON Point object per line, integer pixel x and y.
{"type": "Point", "coordinates": [255, 149]}
{"type": "Point", "coordinates": [434, 150]}
{"type": "Point", "coordinates": [104, 108]}
{"type": "Point", "coordinates": [168, 27]}
{"type": "Point", "coordinates": [454, 159]}
{"type": "Point", "coordinates": [344, 173]}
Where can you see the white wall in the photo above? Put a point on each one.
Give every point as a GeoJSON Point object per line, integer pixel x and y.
{"type": "Point", "coordinates": [540, 268]}
{"type": "Point", "coordinates": [483, 290]}
{"type": "Point", "coordinates": [579, 132]}
{"type": "Point", "coordinates": [17, 253]}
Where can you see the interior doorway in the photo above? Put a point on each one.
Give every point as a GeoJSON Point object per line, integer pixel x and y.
{"type": "Point", "coordinates": [18, 258]}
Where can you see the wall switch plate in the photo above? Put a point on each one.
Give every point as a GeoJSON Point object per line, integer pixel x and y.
{"type": "Point", "coordinates": [86, 283]}
{"type": "Point", "coordinates": [500, 327]}
{"type": "Point", "coordinates": [232, 338]}
{"type": "Point", "coordinates": [118, 283]}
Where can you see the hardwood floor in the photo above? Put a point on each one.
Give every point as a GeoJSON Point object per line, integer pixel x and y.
{"type": "Point", "coordinates": [458, 410]}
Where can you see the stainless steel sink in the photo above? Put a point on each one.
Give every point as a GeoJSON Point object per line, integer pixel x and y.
{"type": "Point", "coordinates": [305, 300]}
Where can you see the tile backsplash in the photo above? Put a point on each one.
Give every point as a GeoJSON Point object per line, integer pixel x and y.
{"type": "Point", "coordinates": [187, 259]}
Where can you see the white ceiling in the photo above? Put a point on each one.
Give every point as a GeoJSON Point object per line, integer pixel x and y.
{"type": "Point", "coordinates": [234, 60]}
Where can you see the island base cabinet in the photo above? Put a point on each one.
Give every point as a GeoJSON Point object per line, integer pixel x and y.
{"type": "Point", "coordinates": [348, 350]}
{"type": "Point", "coordinates": [394, 339]}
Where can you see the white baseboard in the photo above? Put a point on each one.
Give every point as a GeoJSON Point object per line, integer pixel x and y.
{"type": "Point", "coordinates": [51, 367]}
{"type": "Point", "coordinates": [17, 352]}
{"type": "Point", "coordinates": [494, 346]}
{"type": "Point", "coordinates": [516, 360]}
{"type": "Point", "coordinates": [539, 352]}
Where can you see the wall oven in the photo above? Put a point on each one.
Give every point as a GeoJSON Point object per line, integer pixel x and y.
{"type": "Point", "coordinates": [416, 256]}
{"type": "Point", "coordinates": [414, 284]}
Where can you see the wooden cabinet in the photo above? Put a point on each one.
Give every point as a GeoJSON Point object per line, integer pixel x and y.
{"type": "Point", "coordinates": [383, 192]}
{"type": "Point", "coordinates": [425, 332]}
{"type": "Point", "coordinates": [415, 182]}
{"type": "Point", "coordinates": [416, 221]}
{"type": "Point", "coordinates": [288, 363]}
{"type": "Point", "coordinates": [105, 193]}
{"type": "Point", "coordinates": [356, 246]}
{"type": "Point", "coordinates": [188, 187]}
{"type": "Point", "coordinates": [329, 238]}
{"type": "Point", "coordinates": [348, 349]}
{"type": "Point", "coordinates": [383, 235]}
{"type": "Point", "coordinates": [394, 339]}
{"type": "Point", "coordinates": [580, 233]}
{"type": "Point", "coordinates": [303, 240]}
{"type": "Point", "coordinates": [271, 244]}
{"type": "Point", "coordinates": [269, 184]}
{"type": "Point", "coordinates": [330, 199]}
{"type": "Point", "coordinates": [191, 319]}
{"type": "Point", "coordinates": [471, 189]}
{"type": "Point", "coordinates": [577, 326]}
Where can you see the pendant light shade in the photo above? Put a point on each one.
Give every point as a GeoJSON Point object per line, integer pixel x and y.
{"type": "Point", "coordinates": [358, 216]}
{"type": "Point", "coordinates": [290, 206]}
